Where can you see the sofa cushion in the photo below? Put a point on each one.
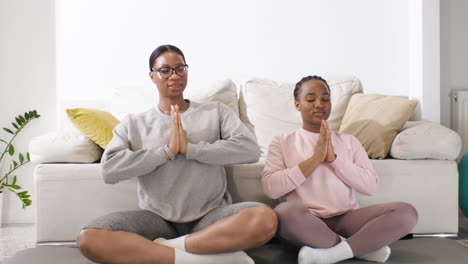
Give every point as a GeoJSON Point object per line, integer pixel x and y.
{"type": "Point", "coordinates": [137, 99]}
{"type": "Point", "coordinates": [61, 146]}
{"type": "Point", "coordinates": [93, 123]}
{"type": "Point", "coordinates": [426, 140]}
{"type": "Point", "coordinates": [269, 105]}
{"type": "Point", "coordinates": [375, 120]}
{"type": "Point", "coordinates": [224, 91]}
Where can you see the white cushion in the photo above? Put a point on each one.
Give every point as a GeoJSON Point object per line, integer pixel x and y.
{"type": "Point", "coordinates": [137, 99]}
{"type": "Point", "coordinates": [64, 146]}
{"type": "Point", "coordinates": [223, 91]}
{"type": "Point", "coordinates": [269, 105]}
{"type": "Point", "coordinates": [132, 99]}
{"type": "Point", "coordinates": [426, 140]}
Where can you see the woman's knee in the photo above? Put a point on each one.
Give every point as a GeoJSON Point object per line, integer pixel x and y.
{"type": "Point", "coordinates": [88, 241]}
{"type": "Point", "coordinates": [408, 214]}
{"type": "Point", "coordinates": [290, 209]}
{"type": "Point", "coordinates": [262, 224]}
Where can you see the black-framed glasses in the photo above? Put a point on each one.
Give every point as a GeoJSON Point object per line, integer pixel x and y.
{"type": "Point", "coordinates": [166, 72]}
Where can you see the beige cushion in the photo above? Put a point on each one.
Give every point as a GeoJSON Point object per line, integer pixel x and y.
{"type": "Point", "coordinates": [269, 106]}
{"type": "Point", "coordinates": [426, 140]}
{"type": "Point", "coordinates": [375, 120]}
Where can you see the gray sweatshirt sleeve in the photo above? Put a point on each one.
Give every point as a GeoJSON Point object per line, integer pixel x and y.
{"type": "Point", "coordinates": [119, 162]}
{"type": "Point", "coordinates": [237, 144]}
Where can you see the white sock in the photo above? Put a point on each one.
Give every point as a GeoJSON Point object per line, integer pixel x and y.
{"type": "Point", "coordinates": [337, 253]}
{"type": "Point", "coordinates": [178, 242]}
{"type": "Point", "coordinates": [379, 255]}
{"type": "Point", "coordinates": [238, 257]}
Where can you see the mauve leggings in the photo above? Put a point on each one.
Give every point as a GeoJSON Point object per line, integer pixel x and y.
{"type": "Point", "coordinates": [366, 229]}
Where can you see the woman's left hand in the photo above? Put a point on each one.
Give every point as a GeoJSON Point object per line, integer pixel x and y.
{"type": "Point", "coordinates": [182, 135]}
{"type": "Point", "coordinates": [331, 156]}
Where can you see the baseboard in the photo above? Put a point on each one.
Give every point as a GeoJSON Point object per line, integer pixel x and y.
{"type": "Point", "coordinates": [58, 243]}
{"type": "Point", "coordinates": [435, 235]}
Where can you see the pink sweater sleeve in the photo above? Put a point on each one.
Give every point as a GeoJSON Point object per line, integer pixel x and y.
{"type": "Point", "coordinates": [277, 180]}
{"type": "Point", "coordinates": [359, 174]}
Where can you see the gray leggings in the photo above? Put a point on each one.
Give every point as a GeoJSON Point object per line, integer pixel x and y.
{"type": "Point", "coordinates": [366, 229]}
{"type": "Point", "coordinates": [150, 225]}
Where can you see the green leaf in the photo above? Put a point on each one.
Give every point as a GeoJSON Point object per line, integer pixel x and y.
{"type": "Point", "coordinates": [8, 130]}
{"type": "Point", "coordinates": [18, 121]}
{"type": "Point", "coordinates": [14, 180]}
{"type": "Point", "coordinates": [34, 112]}
{"type": "Point", "coordinates": [26, 115]}
{"type": "Point", "coordinates": [26, 196]}
{"type": "Point", "coordinates": [15, 164]}
{"type": "Point", "coordinates": [16, 187]}
{"type": "Point", "coordinates": [27, 202]}
{"type": "Point", "coordinates": [21, 158]}
{"type": "Point", "coordinates": [38, 116]}
{"type": "Point", "coordinates": [11, 150]}
{"type": "Point", "coordinates": [20, 194]}
{"type": "Point", "coordinates": [21, 118]}
{"type": "Point", "coordinates": [28, 157]}
{"type": "Point", "coordinates": [14, 125]}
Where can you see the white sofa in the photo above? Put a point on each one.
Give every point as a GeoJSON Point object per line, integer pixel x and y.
{"type": "Point", "coordinates": [70, 191]}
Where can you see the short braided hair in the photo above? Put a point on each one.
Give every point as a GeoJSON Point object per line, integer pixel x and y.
{"type": "Point", "coordinates": [305, 79]}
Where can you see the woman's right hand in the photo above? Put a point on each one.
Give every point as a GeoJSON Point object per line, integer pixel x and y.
{"type": "Point", "coordinates": [321, 148]}
{"type": "Point", "coordinates": [174, 139]}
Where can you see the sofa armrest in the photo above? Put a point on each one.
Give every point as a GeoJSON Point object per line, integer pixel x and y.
{"type": "Point", "coordinates": [426, 140]}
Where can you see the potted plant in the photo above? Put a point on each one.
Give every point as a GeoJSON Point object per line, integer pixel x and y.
{"type": "Point", "coordinates": [8, 181]}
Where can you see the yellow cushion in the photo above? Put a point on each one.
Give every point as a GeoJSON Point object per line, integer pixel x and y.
{"type": "Point", "coordinates": [93, 123]}
{"type": "Point", "coordinates": [375, 120]}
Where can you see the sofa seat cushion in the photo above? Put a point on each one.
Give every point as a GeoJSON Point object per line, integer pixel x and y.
{"type": "Point", "coordinates": [64, 146]}
{"type": "Point", "coordinates": [426, 140]}
{"type": "Point", "coordinates": [68, 196]}
{"type": "Point", "coordinates": [429, 185]}
{"type": "Point", "coordinates": [269, 106]}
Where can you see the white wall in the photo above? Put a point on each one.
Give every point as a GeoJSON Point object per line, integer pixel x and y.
{"type": "Point", "coordinates": [102, 46]}
{"type": "Point", "coordinates": [454, 52]}
{"type": "Point", "coordinates": [27, 82]}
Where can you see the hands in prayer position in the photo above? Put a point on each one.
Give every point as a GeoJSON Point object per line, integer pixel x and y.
{"type": "Point", "coordinates": [178, 140]}
{"type": "Point", "coordinates": [324, 148]}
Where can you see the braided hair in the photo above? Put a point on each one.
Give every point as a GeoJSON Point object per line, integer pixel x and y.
{"type": "Point", "coordinates": [305, 79]}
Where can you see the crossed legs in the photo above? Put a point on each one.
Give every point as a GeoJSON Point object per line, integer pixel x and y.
{"type": "Point", "coordinates": [366, 229]}
{"type": "Point", "coordinates": [251, 227]}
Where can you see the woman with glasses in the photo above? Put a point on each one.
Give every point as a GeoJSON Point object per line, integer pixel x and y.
{"type": "Point", "coordinates": [177, 152]}
{"type": "Point", "coordinates": [316, 172]}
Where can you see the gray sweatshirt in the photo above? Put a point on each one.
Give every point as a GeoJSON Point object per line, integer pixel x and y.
{"type": "Point", "coordinates": [188, 187]}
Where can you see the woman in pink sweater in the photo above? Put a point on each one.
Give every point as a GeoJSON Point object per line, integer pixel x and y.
{"type": "Point", "coordinates": [316, 172]}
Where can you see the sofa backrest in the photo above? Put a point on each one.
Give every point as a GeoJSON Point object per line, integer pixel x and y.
{"type": "Point", "coordinates": [268, 106]}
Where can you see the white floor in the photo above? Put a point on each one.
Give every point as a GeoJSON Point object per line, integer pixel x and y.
{"type": "Point", "coordinates": [15, 237]}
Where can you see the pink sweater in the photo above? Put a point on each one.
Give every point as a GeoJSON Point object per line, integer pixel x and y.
{"type": "Point", "coordinates": [329, 190]}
